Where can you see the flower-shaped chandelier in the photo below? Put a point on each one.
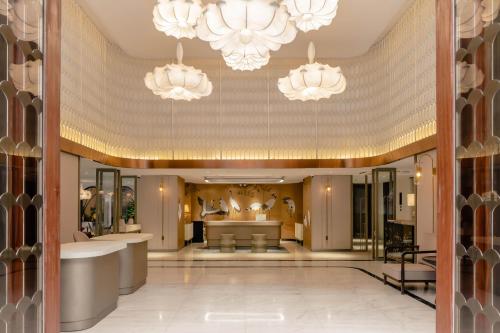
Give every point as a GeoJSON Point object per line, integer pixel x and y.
{"type": "Point", "coordinates": [27, 76]}
{"type": "Point", "coordinates": [24, 18]}
{"type": "Point", "coordinates": [178, 81]}
{"type": "Point", "coordinates": [311, 14]}
{"type": "Point", "coordinates": [177, 18]}
{"type": "Point", "coordinates": [474, 15]}
{"type": "Point", "coordinates": [491, 11]}
{"type": "Point", "coordinates": [245, 31]}
{"type": "Point", "coordinates": [312, 81]}
{"type": "Point", "coordinates": [469, 76]}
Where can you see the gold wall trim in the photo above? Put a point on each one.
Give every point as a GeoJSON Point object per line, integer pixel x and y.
{"type": "Point", "coordinates": [418, 147]}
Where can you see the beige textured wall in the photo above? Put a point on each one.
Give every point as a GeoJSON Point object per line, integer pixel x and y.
{"type": "Point", "coordinates": [158, 211]}
{"type": "Point", "coordinates": [246, 116]}
{"type": "Point", "coordinates": [70, 196]}
{"type": "Point", "coordinates": [245, 196]}
{"type": "Point", "coordinates": [404, 185]}
{"type": "Point", "coordinates": [331, 213]}
{"type": "Point", "coordinates": [181, 190]}
{"type": "Point", "coordinates": [307, 203]}
{"type": "Point", "coordinates": [426, 200]}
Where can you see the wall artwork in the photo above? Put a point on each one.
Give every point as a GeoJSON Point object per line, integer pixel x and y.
{"type": "Point", "coordinates": [282, 202]}
{"type": "Point", "coordinates": [209, 207]}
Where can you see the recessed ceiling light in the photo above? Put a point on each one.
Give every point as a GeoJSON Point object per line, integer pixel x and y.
{"type": "Point", "coordinates": [244, 180]}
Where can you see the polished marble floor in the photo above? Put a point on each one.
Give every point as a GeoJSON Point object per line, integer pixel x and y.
{"type": "Point", "coordinates": [294, 251]}
{"type": "Point", "coordinates": [266, 299]}
{"type": "Point", "coordinates": [295, 256]}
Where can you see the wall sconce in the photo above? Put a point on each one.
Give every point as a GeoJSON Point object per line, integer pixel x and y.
{"type": "Point", "coordinates": [418, 167]}
{"type": "Point", "coordinates": [410, 199]}
{"type": "Point", "coordinates": [186, 208]}
{"type": "Point", "coordinates": [418, 176]}
{"type": "Point", "coordinates": [418, 173]}
{"type": "Point", "coordinates": [328, 188]}
{"type": "Point", "coordinates": [161, 188]}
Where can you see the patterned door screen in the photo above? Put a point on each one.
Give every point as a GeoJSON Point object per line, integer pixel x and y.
{"type": "Point", "coordinates": [477, 287]}
{"type": "Point", "coordinates": [20, 166]}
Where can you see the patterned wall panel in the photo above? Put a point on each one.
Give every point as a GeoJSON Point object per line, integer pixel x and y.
{"type": "Point", "coordinates": [20, 166]}
{"type": "Point", "coordinates": [477, 221]}
{"type": "Point", "coordinates": [389, 101]}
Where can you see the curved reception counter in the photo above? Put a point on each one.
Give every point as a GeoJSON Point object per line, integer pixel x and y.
{"type": "Point", "coordinates": [90, 275]}
{"type": "Point", "coordinates": [242, 231]}
{"type": "Point", "coordinates": [133, 259]}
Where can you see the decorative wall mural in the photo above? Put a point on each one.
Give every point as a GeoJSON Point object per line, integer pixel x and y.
{"type": "Point", "coordinates": [208, 208]}
{"type": "Point", "coordinates": [234, 204]}
{"type": "Point", "coordinates": [223, 206]}
{"type": "Point", "coordinates": [264, 207]}
{"type": "Point", "coordinates": [255, 206]}
{"type": "Point", "coordinates": [290, 205]}
{"type": "Point", "coordinates": [212, 202]}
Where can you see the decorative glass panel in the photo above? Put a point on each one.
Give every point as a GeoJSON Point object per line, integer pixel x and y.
{"type": "Point", "coordinates": [20, 166]}
{"type": "Point", "coordinates": [477, 287]}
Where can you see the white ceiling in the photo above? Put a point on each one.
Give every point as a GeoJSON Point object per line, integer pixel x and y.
{"type": "Point", "coordinates": [87, 172]}
{"type": "Point", "coordinates": [358, 25]}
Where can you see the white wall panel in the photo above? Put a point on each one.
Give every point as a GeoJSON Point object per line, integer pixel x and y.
{"type": "Point", "coordinates": [70, 197]}
{"type": "Point", "coordinates": [157, 217]}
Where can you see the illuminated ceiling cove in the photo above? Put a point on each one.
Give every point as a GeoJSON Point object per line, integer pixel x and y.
{"type": "Point", "coordinates": [389, 101]}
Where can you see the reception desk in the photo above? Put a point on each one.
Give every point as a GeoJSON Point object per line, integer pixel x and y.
{"type": "Point", "coordinates": [242, 231]}
{"type": "Point", "coordinates": [90, 275]}
{"type": "Point", "coordinates": [133, 259]}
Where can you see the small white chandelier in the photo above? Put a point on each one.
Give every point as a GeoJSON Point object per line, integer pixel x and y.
{"type": "Point", "coordinates": [177, 18]}
{"type": "Point", "coordinates": [23, 18]}
{"type": "Point", "coordinates": [178, 81]}
{"type": "Point", "coordinates": [85, 194]}
{"type": "Point", "coordinates": [312, 14]}
{"type": "Point", "coordinates": [312, 81]}
{"type": "Point", "coordinates": [491, 11]}
{"type": "Point", "coordinates": [246, 30]}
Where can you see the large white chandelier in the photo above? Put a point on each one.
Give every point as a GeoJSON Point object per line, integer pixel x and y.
{"type": "Point", "coordinates": [246, 30]}
{"type": "Point", "coordinates": [312, 81]}
{"type": "Point", "coordinates": [177, 18]}
{"type": "Point", "coordinates": [178, 81]}
{"type": "Point", "coordinates": [312, 14]}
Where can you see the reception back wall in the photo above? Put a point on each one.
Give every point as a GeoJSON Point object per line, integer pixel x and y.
{"type": "Point", "coordinates": [281, 202]}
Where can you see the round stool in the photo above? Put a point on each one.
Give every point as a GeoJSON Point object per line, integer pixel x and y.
{"type": "Point", "coordinates": [259, 243]}
{"type": "Point", "coordinates": [227, 243]}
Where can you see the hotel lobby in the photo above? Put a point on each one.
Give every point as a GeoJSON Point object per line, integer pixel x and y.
{"type": "Point", "coordinates": [301, 166]}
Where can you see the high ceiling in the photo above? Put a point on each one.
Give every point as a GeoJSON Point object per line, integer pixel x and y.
{"type": "Point", "coordinates": [358, 25]}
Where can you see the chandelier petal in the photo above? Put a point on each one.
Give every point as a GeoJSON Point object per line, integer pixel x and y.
{"type": "Point", "coordinates": [177, 18]}
{"type": "Point", "coordinates": [245, 31]}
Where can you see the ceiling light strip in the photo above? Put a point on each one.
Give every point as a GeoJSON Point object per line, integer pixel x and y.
{"type": "Point", "coordinates": [244, 180]}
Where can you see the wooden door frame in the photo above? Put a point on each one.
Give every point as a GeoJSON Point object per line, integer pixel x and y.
{"type": "Point", "coordinates": [445, 164]}
{"type": "Point", "coordinates": [51, 166]}
{"type": "Point", "coordinates": [445, 106]}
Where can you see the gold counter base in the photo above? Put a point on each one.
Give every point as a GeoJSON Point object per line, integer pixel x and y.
{"type": "Point", "coordinates": [242, 231]}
